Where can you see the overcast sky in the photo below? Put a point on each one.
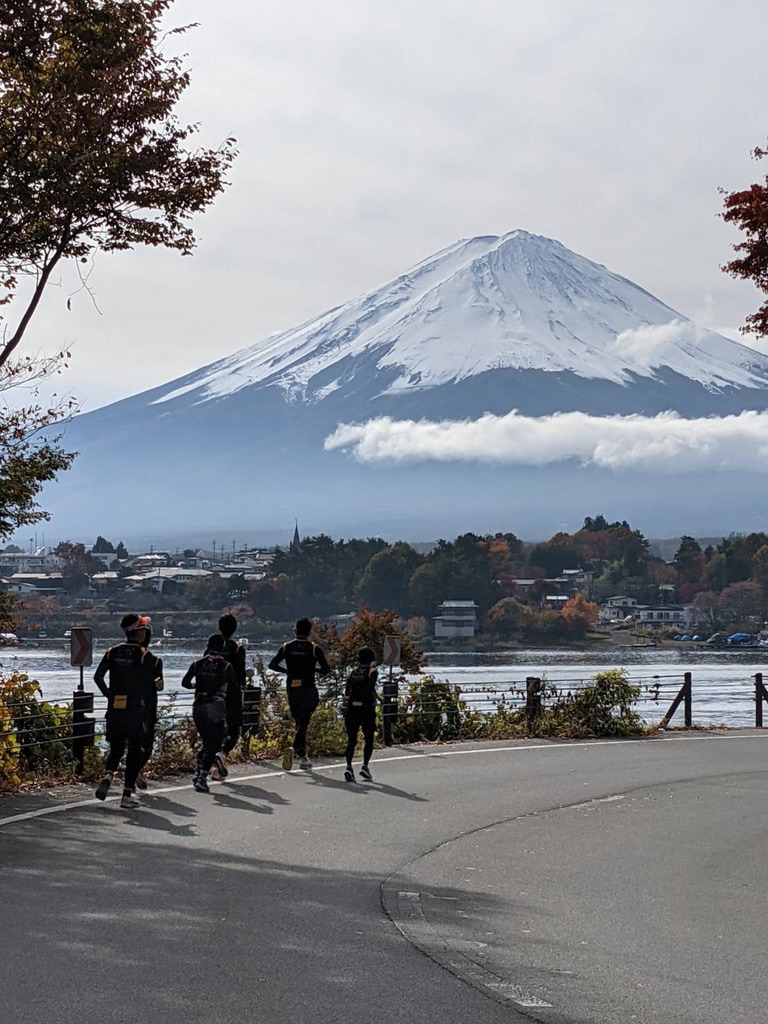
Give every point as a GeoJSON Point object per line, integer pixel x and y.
{"type": "Point", "coordinates": [373, 133]}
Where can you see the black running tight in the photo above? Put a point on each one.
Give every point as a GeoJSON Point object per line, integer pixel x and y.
{"type": "Point", "coordinates": [356, 718]}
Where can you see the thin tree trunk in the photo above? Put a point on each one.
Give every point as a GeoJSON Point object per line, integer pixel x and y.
{"type": "Point", "coordinates": [18, 334]}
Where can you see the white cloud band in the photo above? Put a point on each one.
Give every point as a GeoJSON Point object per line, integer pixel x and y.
{"type": "Point", "coordinates": [665, 443]}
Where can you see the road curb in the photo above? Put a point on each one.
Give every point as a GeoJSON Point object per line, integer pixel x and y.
{"type": "Point", "coordinates": [406, 909]}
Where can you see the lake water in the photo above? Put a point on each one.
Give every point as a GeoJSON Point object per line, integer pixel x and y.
{"type": "Point", "coordinates": [723, 681]}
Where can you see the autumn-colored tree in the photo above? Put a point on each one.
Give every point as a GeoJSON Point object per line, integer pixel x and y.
{"type": "Point", "coordinates": [92, 155]}
{"type": "Point", "coordinates": [580, 615]}
{"type": "Point", "coordinates": [741, 602]}
{"type": "Point", "coordinates": [760, 571]}
{"type": "Point", "coordinates": [92, 158]}
{"type": "Point", "coordinates": [748, 210]}
{"type": "Point", "coordinates": [706, 612]}
{"type": "Point", "coordinates": [417, 628]}
{"type": "Point", "coordinates": [509, 619]}
{"type": "Point", "coordinates": [599, 542]}
{"type": "Point", "coordinates": [268, 599]}
{"type": "Point", "coordinates": [77, 564]}
{"type": "Point", "coordinates": [368, 630]}
{"type": "Point", "coordinates": [686, 592]}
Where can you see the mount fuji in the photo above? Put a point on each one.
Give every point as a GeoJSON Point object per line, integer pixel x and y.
{"type": "Point", "coordinates": [490, 332]}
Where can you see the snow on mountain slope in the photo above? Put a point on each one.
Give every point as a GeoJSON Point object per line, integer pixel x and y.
{"type": "Point", "coordinates": [519, 301]}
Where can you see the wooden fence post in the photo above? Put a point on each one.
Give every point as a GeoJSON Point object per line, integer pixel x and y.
{"type": "Point", "coordinates": [684, 694]}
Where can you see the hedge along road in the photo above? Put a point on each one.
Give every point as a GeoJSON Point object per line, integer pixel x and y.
{"type": "Point", "coordinates": [613, 881]}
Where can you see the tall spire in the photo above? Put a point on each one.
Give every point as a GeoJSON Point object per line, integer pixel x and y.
{"type": "Point", "coordinates": [296, 542]}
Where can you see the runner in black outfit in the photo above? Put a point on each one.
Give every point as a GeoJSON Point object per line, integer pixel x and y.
{"type": "Point", "coordinates": [212, 679]}
{"type": "Point", "coordinates": [135, 676]}
{"type": "Point", "coordinates": [150, 716]}
{"type": "Point", "coordinates": [301, 658]}
{"type": "Point", "coordinates": [361, 697]}
{"type": "Point", "coordinates": [234, 653]}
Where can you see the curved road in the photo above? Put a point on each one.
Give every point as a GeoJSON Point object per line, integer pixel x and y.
{"type": "Point", "coordinates": [565, 882]}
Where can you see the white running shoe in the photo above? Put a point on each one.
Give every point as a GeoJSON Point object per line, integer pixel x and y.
{"type": "Point", "coordinates": [129, 802]}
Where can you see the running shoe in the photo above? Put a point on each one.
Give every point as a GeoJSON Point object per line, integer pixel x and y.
{"type": "Point", "coordinates": [349, 775]}
{"type": "Point", "coordinates": [141, 782]}
{"type": "Point", "coordinates": [288, 759]}
{"type": "Point", "coordinates": [200, 783]}
{"type": "Point", "coordinates": [129, 802]}
{"type": "Point", "coordinates": [103, 788]}
{"type": "Point", "coordinates": [305, 763]}
{"type": "Point", "coordinates": [365, 773]}
{"type": "Point", "coordinates": [221, 766]}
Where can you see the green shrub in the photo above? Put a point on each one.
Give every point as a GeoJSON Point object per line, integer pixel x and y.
{"type": "Point", "coordinates": [433, 709]}
{"type": "Point", "coordinates": [327, 736]}
{"type": "Point", "coordinates": [604, 708]}
{"type": "Point", "coordinates": [506, 721]}
{"type": "Point", "coordinates": [35, 735]}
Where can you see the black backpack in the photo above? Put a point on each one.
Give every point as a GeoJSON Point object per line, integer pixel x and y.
{"type": "Point", "coordinates": [359, 685]}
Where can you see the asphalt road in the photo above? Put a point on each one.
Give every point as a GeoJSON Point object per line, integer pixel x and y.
{"type": "Point", "coordinates": [568, 882]}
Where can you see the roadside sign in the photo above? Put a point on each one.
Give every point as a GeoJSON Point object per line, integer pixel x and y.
{"type": "Point", "coordinates": [81, 646]}
{"type": "Point", "coordinates": [392, 645]}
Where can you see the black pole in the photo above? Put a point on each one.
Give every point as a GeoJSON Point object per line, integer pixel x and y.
{"type": "Point", "coordinates": [389, 708]}
{"type": "Point", "coordinates": [688, 699]}
{"type": "Point", "coordinates": [758, 700]}
{"type": "Point", "coordinates": [83, 728]}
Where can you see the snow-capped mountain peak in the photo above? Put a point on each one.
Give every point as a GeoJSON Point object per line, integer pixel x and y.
{"type": "Point", "coordinates": [503, 383]}
{"type": "Point", "coordinates": [518, 301]}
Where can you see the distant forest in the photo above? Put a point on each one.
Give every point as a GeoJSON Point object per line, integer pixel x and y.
{"type": "Point", "coordinates": [726, 582]}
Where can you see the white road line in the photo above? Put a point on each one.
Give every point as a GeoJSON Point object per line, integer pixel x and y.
{"type": "Point", "coordinates": [43, 812]}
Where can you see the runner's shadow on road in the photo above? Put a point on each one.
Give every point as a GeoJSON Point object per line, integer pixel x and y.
{"type": "Point", "coordinates": [361, 786]}
{"type": "Point", "coordinates": [381, 787]}
{"type": "Point", "coordinates": [322, 780]}
{"type": "Point", "coordinates": [228, 800]}
{"type": "Point", "coordinates": [166, 804]}
{"type": "Point", "coordinates": [142, 818]}
{"type": "Point", "coordinates": [260, 794]}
